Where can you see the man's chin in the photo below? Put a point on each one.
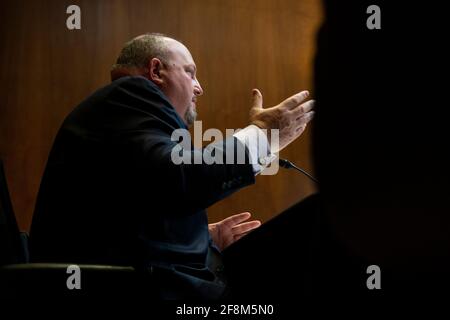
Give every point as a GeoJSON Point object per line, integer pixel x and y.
{"type": "Point", "coordinates": [190, 116]}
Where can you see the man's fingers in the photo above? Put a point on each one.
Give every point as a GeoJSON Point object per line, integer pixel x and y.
{"type": "Point", "coordinates": [246, 227]}
{"type": "Point", "coordinates": [308, 116]}
{"type": "Point", "coordinates": [295, 100]}
{"type": "Point", "coordinates": [305, 118]}
{"type": "Point", "coordinates": [236, 219]}
{"type": "Point", "coordinates": [257, 99]}
{"type": "Point", "coordinates": [303, 108]}
{"type": "Point", "coordinates": [298, 132]}
{"type": "Point", "coordinates": [302, 122]}
{"type": "Point", "coordinates": [238, 236]}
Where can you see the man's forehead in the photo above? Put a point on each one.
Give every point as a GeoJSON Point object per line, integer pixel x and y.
{"type": "Point", "coordinates": [179, 52]}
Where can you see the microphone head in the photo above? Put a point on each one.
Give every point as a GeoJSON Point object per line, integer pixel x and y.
{"type": "Point", "coordinates": [284, 163]}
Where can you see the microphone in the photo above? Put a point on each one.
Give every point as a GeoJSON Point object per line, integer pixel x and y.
{"type": "Point", "coordinates": [289, 165]}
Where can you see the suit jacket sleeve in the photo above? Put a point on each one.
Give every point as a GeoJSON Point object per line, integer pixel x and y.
{"type": "Point", "coordinates": [194, 186]}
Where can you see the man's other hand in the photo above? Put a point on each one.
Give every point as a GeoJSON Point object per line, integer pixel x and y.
{"type": "Point", "coordinates": [231, 229]}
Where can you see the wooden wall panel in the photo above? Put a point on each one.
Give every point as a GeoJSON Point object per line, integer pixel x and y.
{"type": "Point", "coordinates": [46, 70]}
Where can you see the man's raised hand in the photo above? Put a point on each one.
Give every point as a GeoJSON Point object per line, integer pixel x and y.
{"type": "Point", "coordinates": [290, 117]}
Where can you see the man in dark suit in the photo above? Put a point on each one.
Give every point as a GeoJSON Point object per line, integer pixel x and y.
{"type": "Point", "coordinates": [112, 194]}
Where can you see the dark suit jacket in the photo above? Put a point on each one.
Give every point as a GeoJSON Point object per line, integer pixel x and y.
{"type": "Point", "coordinates": [110, 193]}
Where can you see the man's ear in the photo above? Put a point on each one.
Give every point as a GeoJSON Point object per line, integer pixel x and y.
{"type": "Point", "coordinates": [155, 66]}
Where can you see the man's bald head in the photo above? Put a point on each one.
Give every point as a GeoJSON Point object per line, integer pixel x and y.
{"type": "Point", "coordinates": [136, 54]}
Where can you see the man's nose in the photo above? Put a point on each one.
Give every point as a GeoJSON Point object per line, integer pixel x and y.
{"type": "Point", "coordinates": [198, 91]}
